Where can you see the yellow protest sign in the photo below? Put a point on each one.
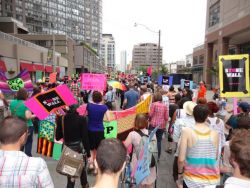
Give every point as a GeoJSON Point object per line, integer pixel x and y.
{"type": "Point", "coordinates": [234, 75]}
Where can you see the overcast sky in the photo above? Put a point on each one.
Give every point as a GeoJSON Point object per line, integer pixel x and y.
{"type": "Point", "coordinates": [182, 23]}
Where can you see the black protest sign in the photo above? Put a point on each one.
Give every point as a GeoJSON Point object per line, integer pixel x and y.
{"type": "Point", "coordinates": [165, 80]}
{"type": "Point", "coordinates": [50, 100]}
{"type": "Point", "coordinates": [234, 76]}
{"type": "Point", "coordinates": [66, 78]}
{"type": "Point", "coordinates": [145, 79]}
{"type": "Point", "coordinates": [187, 84]}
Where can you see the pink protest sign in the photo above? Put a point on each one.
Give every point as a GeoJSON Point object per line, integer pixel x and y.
{"type": "Point", "coordinates": [94, 82]}
{"type": "Point", "coordinates": [44, 103]}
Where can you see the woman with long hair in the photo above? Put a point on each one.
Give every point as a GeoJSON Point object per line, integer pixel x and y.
{"type": "Point", "coordinates": [96, 112]}
{"type": "Point", "coordinates": [18, 109]}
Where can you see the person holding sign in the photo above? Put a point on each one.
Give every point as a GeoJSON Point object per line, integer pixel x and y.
{"type": "Point", "coordinates": [18, 109]}
{"type": "Point", "coordinates": [202, 91]}
{"type": "Point", "coordinates": [96, 112]}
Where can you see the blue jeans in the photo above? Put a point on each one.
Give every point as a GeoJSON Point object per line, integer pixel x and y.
{"type": "Point", "coordinates": [159, 134]}
{"type": "Point", "coordinates": [28, 146]}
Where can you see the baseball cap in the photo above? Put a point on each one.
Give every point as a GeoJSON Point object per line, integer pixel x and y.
{"type": "Point", "coordinates": [244, 106]}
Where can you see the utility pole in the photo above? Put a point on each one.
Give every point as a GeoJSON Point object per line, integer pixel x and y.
{"type": "Point", "coordinates": [159, 53]}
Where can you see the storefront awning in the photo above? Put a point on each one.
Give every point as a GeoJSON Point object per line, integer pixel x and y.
{"type": "Point", "coordinates": [48, 69]}
{"type": "Point", "coordinates": [27, 66]}
{"type": "Point", "coordinates": [38, 67]}
{"type": "Point", "coordinates": [58, 69]}
{"type": "Point", "coordinates": [2, 66]}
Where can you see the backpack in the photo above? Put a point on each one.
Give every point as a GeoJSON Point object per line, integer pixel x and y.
{"type": "Point", "coordinates": [152, 150]}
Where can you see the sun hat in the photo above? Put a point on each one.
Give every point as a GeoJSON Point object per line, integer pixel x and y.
{"type": "Point", "coordinates": [189, 107]}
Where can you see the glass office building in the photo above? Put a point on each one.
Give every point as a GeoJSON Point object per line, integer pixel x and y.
{"type": "Point", "coordinates": [79, 19]}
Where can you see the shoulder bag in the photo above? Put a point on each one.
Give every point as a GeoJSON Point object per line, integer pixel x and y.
{"type": "Point", "coordinates": [71, 163]}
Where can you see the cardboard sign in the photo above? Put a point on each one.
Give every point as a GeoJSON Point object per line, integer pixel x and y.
{"type": "Point", "coordinates": [234, 76]}
{"type": "Point", "coordinates": [44, 103]}
{"type": "Point", "coordinates": [110, 129]}
{"type": "Point", "coordinates": [95, 82]}
{"type": "Point", "coordinates": [165, 80]}
{"type": "Point", "coordinates": [46, 130]}
{"type": "Point", "coordinates": [13, 85]}
{"type": "Point", "coordinates": [52, 77]}
{"type": "Point", "coordinates": [187, 84]}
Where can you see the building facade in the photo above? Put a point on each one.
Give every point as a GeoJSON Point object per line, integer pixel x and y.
{"type": "Point", "coordinates": [145, 55]}
{"type": "Point", "coordinates": [189, 60]}
{"type": "Point", "coordinates": [227, 32]}
{"type": "Point", "coordinates": [123, 61]}
{"type": "Point", "coordinates": [198, 63]}
{"type": "Point", "coordinates": [108, 51]}
{"type": "Point", "coordinates": [61, 44]}
{"type": "Point", "coordinates": [93, 23]}
{"type": "Point", "coordinates": [17, 54]}
{"type": "Point", "coordinates": [81, 20]}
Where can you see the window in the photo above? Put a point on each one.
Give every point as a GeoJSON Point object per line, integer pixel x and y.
{"type": "Point", "coordinates": [214, 14]}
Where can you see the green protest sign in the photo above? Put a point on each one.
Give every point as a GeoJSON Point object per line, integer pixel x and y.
{"type": "Point", "coordinates": [16, 84]}
{"type": "Point", "coordinates": [39, 75]}
{"type": "Point", "coordinates": [110, 129]}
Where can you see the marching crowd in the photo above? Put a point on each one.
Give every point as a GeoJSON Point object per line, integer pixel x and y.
{"type": "Point", "coordinates": [210, 148]}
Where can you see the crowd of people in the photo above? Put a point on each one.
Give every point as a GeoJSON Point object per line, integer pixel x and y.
{"type": "Point", "coordinates": [210, 148]}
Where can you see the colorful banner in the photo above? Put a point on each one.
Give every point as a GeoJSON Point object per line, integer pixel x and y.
{"type": "Point", "coordinates": [52, 77]}
{"type": "Point", "coordinates": [45, 103]}
{"type": "Point", "coordinates": [124, 120]}
{"type": "Point", "coordinates": [13, 85]}
{"type": "Point", "coordinates": [234, 76]}
{"type": "Point", "coordinates": [143, 106]}
{"type": "Point", "coordinates": [96, 82]}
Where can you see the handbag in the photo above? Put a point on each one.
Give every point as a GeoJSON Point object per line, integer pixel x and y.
{"type": "Point", "coordinates": [71, 162]}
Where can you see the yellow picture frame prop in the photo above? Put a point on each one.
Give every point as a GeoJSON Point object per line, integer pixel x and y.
{"type": "Point", "coordinates": [234, 75]}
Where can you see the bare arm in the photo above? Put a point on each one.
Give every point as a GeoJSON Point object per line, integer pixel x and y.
{"type": "Point", "coordinates": [128, 141]}
{"type": "Point", "coordinates": [29, 115]}
{"type": "Point", "coordinates": [182, 150]}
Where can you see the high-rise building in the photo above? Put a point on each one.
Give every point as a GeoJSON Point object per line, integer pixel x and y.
{"type": "Point", "coordinates": [123, 61]}
{"type": "Point", "coordinates": [227, 32]}
{"type": "Point", "coordinates": [93, 23]}
{"type": "Point", "coordinates": [145, 55]}
{"type": "Point", "coordinates": [108, 51]}
{"type": "Point", "coordinates": [79, 19]}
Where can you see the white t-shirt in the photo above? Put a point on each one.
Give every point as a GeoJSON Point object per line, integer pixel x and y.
{"type": "Point", "coordinates": [233, 182]}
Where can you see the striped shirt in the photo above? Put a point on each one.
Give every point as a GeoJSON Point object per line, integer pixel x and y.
{"type": "Point", "coordinates": [17, 170]}
{"type": "Point", "coordinates": [201, 168]}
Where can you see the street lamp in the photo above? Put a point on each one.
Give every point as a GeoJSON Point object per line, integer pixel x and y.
{"type": "Point", "coordinates": [159, 42]}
